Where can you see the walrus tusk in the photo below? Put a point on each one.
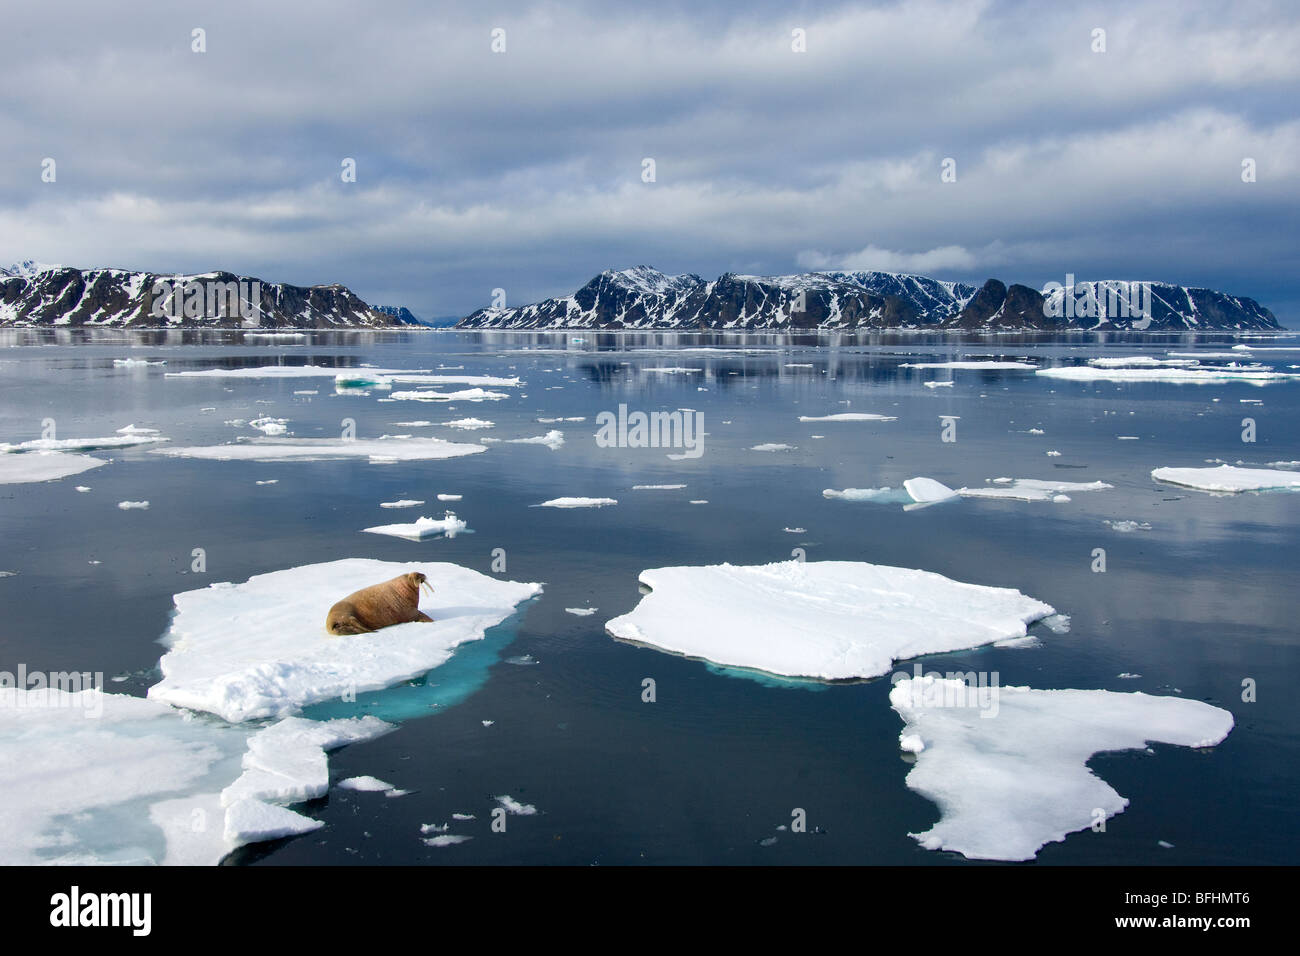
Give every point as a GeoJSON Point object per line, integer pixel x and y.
{"type": "Point", "coordinates": [381, 605]}
{"type": "Point", "coordinates": [426, 586]}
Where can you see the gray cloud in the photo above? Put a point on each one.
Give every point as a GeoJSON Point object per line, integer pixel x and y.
{"type": "Point", "coordinates": [523, 169]}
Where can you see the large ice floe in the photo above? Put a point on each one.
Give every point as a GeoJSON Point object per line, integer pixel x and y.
{"type": "Point", "coordinates": [260, 649]}
{"type": "Point", "coordinates": [1229, 478]}
{"type": "Point", "coordinates": [1193, 376]}
{"type": "Point", "coordinates": [920, 492]}
{"type": "Point", "coordinates": [326, 449]}
{"type": "Point", "coordinates": [93, 778]}
{"type": "Point", "coordinates": [1010, 784]}
{"type": "Point", "coordinates": [974, 364]}
{"type": "Point", "coordinates": [828, 619]}
{"type": "Point", "coordinates": [80, 444]}
{"type": "Point", "coordinates": [464, 395]}
{"type": "Point", "coordinates": [17, 469]}
{"type": "Point", "coordinates": [1031, 489]}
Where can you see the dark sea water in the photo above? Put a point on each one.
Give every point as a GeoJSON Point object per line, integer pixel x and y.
{"type": "Point", "coordinates": [1203, 600]}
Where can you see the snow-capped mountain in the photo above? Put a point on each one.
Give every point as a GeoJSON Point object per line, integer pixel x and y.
{"type": "Point", "coordinates": [398, 314]}
{"type": "Point", "coordinates": [644, 298]}
{"type": "Point", "coordinates": [60, 296]}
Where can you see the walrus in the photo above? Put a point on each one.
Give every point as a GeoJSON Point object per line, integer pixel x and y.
{"type": "Point", "coordinates": [380, 605]}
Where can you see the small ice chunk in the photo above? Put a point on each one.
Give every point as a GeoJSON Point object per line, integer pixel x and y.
{"type": "Point", "coordinates": [252, 821]}
{"type": "Point", "coordinates": [581, 611]}
{"type": "Point", "coordinates": [578, 502]}
{"type": "Point", "coordinates": [450, 497]}
{"type": "Point", "coordinates": [1127, 526]}
{"type": "Point", "coordinates": [366, 783]}
{"type": "Point", "coordinates": [927, 490]}
{"type": "Point", "coordinates": [773, 446]}
{"type": "Point", "coordinates": [401, 503]}
{"type": "Point", "coordinates": [446, 839]}
{"type": "Point", "coordinates": [657, 487]}
{"type": "Point", "coordinates": [467, 424]}
{"type": "Point", "coordinates": [514, 806]}
{"type": "Point", "coordinates": [448, 525]}
{"type": "Point", "coordinates": [911, 743]}
{"type": "Point", "coordinates": [133, 505]}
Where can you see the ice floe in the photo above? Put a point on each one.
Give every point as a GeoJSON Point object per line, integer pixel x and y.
{"type": "Point", "coordinates": [448, 525]}
{"type": "Point", "coordinates": [467, 424]}
{"type": "Point", "coordinates": [581, 611]}
{"type": "Point", "coordinates": [773, 446]}
{"type": "Point", "coordinates": [992, 366]}
{"type": "Point", "coordinates": [1032, 489]}
{"type": "Point", "coordinates": [1228, 478]}
{"type": "Point", "coordinates": [367, 784]}
{"type": "Point", "coordinates": [401, 503]}
{"type": "Point", "coordinates": [465, 395]}
{"type": "Point", "coordinates": [269, 426]}
{"type": "Point", "coordinates": [514, 806]}
{"type": "Point", "coordinates": [578, 502]}
{"type": "Point", "coordinates": [849, 417]}
{"type": "Point", "coordinates": [133, 505]}
{"type": "Point", "coordinates": [657, 487]}
{"type": "Point", "coordinates": [1199, 375]}
{"type": "Point", "coordinates": [1127, 526]}
{"type": "Point", "coordinates": [44, 466]}
{"type": "Point", "coordinates": [260, 649]}
{"type": "Point", "coordinates": [1140, 361]}
{"type": "Point", "coordinates": [326, 449]}
{"type": "Point", "coordinates": [1008, 786]}
{"type": "Point", "coordinates": [828, 619]}
{"type": "Point", "coordinates": [80, 444]}
{"type": "Point", "coordinates": [927, 490]}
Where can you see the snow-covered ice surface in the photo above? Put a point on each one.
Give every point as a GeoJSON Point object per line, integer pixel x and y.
{"type": "Point", "coordinates": [828, 619]}
{"type": "Point", "coordinates": [260, 649]}
{"type": "Point", "coordinates": [927, 490]}
{"type": "Point", "coordinates": [1032, 489]}
{"type": "Point", "coordinates": [326, 449]}
{"type": "Point", "coordinates": [992, 366]}
{"type": "Point", "coordinates": [43, 466]}
{"type": "Point", "coordinates": [79, 789]}
{"type": "Point", "coordinates": [1008, 765]}
{"type": "Point", "coordinates": [1202, 376]}
{"type": "Point", "coordinates": [464, 395]}
{"type": "Point", "coordinates": [89, 777]}
{"type": "Point", "coordinates": [80, 444]}
{"type": "Point", "coordinates": [849, 417]}
{"type": "Point", "coordinates": [448, 525]}
{"type": "Point", "coordinates": [1228, 478]}
{"type": "Point", "coordinates": [578, 502]}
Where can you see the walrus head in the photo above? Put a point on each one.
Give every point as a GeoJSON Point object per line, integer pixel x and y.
{"type": "Point", "coordinates": [419, 580]}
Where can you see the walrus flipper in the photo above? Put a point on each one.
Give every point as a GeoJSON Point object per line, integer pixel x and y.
{"type": "Point", "coordinates": [423, 617]}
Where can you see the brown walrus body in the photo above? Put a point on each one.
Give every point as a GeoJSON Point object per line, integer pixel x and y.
{"type": "Point", "coordinates": [380, 605]}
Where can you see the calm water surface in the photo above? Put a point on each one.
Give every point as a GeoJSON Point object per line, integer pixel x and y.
{"type": "Point", "coordinates": [1196, 604]}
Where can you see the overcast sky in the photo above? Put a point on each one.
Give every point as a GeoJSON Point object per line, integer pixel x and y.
{"type": "Point", "coordinates": [523, 169]}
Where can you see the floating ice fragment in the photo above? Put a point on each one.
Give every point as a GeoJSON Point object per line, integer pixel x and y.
{"type": "Point", "coordinates": [401, 503]}
{"type": "Point", "coordinates": [578, 502]}
{"type": "Point", "coordinates": [581, 611]}
{"type": "Point", "coordinates": [133, 505]}
{"type": "Point", "coordinates": [260, 649]}
{"type": "Point", "coordinates": [422, 528]}
{"type": "Point", "coordinates": [849, 417]}
{"type": "Point", "coordinates": [369, 784]}
{"type": "Point", "coordinates": [44, 466]}
{"type": "Point", "coordinates": [514, 806]}
{"type": "Point", "coordinates": [326, 449]}
{"type": "Point", "coordinates": [1228, 478]}
{"type": "Point", "coordinates": [828, 619]}
{"type": "Point", "coordinates": [1007, 786]}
